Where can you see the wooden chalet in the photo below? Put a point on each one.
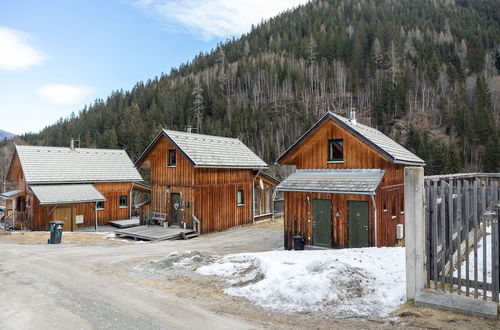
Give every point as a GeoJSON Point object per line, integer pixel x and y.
{"type": "Point", "coordinates": [82, 187]}
{"type": "Point", "coordinates": [347, 190]}
{"type": "Point", "coordinates": [215, 180]}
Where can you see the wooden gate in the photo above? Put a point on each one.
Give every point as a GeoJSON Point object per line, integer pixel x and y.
{"type": "Point", "coordinates": [462, 234]}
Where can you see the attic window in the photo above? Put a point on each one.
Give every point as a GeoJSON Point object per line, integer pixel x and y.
{"type": "Point", "coordinates": [335, 150]}
{"type": "Point", "coordinates": [172, 161]}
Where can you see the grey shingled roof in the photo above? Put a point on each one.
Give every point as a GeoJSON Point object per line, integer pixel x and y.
{"type": "Point", "coordinates": [208, 151]}
{"type": "Point", "coordinates": [333, 181]}
{"type": "Point", "coordinates": [67, 194]}
{"type": "Point", "coordinates": [12, 193]}
{"type": "Point", "coordinates": [398, 153]}
{"type": "Point", "coordinates": [380, 142]}
{"type": "Point", "coordinates": [63, 165]}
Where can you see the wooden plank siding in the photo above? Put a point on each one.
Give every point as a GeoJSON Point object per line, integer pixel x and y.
{"type": "Point", "coordinates": [312, 153]}
{"type": "Point", "coordinates": [210, 193]}
{"type": "Point", "coordinates": [112, 210]}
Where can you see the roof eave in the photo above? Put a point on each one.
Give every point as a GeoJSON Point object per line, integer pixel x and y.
{"type": "Point", "coordinates": [233, 167]}
{"type": "Point", "coordinates": [404, 162]}
{"type": "Point", "coordinates": [350, 192]}
{"type": "Point", "coordinates": [80, 182]}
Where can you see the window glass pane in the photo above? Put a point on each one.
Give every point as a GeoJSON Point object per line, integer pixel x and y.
{"type": "Point", "coordinates": [336, 149]}
{"type": "Point", "coordinates": [123, 200]}
{"type": "Point", "coordinates": [255, 201]}
{"type": "Point", "coordinates": [171, 157]}
{"type": "Point", "coordinates": [100, 205]}
{"type": "Point", "coordinates": [239, 197]}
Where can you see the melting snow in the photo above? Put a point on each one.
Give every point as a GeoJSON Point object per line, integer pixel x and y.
{"type": "Point", "coordinates": [347, 282]}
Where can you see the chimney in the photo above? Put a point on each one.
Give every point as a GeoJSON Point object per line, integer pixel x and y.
{"type": "Point", "coordinates": [72, 144]}
{"type": "Point", "coordinates": [189, 129]}
{"type": "Point", "coordinates": [352, 116]}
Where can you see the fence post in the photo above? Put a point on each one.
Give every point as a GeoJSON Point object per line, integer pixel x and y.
{"type": "Point", "coordinates": [414, 230]}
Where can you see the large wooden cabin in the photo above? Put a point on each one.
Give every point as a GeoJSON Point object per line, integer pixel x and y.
{"type": "Point", "coordinates": [82, 187]}
{"type": "Point", "coordinates": [208, 177]}
{"type": "Point", "coordinates": [348, 188]}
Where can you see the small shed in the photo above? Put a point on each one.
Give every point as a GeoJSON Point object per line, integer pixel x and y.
{"type": "Point", "coordinates": [348, 188]}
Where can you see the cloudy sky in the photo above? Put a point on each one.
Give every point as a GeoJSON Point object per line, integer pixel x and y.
{"type": "Point", "coordinates": [56, 56]}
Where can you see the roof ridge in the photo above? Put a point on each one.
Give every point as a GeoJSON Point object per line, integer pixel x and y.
{"type": "Point", "coordinates": [202, 135]}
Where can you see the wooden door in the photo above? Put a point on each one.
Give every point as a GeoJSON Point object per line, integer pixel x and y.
{"type": "Point", "coordinates": [358, 224]}
{"type": "Point", "coordinates": [322, 222]}
{"type": "Point", "coordinates": [63, 214]}
{"type": "Point", "coordinates": [176, 209]}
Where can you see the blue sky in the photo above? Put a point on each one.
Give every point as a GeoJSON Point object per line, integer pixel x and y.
{"type": "Point", "coordinates": [58, 55]}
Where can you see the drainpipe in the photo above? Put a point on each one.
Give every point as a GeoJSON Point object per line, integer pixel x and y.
{"type": "Point", "coordinates": [274, 197]}
{"type": "Point", "coordinates": [253, 196]}
{"type": "Point", "coordinates": [131, 201]}
{"type": "Point", "coordinates": [374, 221]}
{"type": "Point", "coordinates": [95, 211]}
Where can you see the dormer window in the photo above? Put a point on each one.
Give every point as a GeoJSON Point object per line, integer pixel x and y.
{"type": "Point", "coordinates": [335, 150]}
{"type": "Point", "coordinates": [171, 157]}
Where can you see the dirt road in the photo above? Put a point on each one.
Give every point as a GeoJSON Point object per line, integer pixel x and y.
{"type": "Point", "coordinates": [92, 283]}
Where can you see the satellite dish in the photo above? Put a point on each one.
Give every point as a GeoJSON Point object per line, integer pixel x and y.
{"type": "Point", "coordinates": [261, 183]}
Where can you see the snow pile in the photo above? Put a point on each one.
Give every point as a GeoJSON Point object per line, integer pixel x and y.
{"type": "Point", "coordinates": [177, 263]}
{"type": "Point", "coordinates": [348, 282]}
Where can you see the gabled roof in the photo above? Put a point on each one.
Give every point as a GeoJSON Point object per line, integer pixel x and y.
{"type": "Point", "coordinates": [67, 194]}
{"type": "Point", "coordinates": [389, 148]}
{"type": "Point", "coordinates": [208, 151]}
{"type": "Point", "coordinates": [45, 165]}
{"type": "Point", "coordinates": [333, 181]}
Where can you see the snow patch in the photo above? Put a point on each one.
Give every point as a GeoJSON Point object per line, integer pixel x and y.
{"type": "Point", "coordinates": [347, 282]}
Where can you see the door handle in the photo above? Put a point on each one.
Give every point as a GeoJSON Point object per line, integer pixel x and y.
{"type": "Point", "coordinates": [366, 227]}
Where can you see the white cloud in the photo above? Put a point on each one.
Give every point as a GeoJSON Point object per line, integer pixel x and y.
{"type": "Point", "coordinates": [16, 52]}
{"type": "Point", "coordinates": [216, 18]}
{"type": "Point", "coordinates": [62, 94]}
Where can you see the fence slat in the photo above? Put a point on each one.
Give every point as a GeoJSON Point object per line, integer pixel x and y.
{"type": "Point", "coordinates": [459, 233]}
{"type": "Point", "coordinates": [443, 233]}
{"type": "Point", "coordinates": [483, 221]}
{"type": "Point", "coordinates": [435, 242]}
{"type": "Point", "coordinates": [450, 218]}
{"type": "Point", "coordinates": [428, 233]}
{"type": "Point", "coordinates": [467, 220]}
{"type": "Point", "coordinates": [494, 258]}
{"type": "Point", "coordinates": [474, 207]}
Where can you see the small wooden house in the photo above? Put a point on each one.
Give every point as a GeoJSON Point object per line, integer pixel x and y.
{"type": "Point", "coordinates": [348, 188]}
{"type": "Point", "coordinates": [82, 187]}
{"type": "Point", "coordinates": [217, 180]}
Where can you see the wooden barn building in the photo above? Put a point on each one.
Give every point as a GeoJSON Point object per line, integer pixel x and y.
{"type": "Point", "coordinates": [82, 187]}
{"type": "Point", "coordinates": [347, 190]}
{"type": "Point", "coordinates": [217, 180]}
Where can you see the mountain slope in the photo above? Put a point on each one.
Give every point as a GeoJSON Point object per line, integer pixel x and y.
{"type": "Point", "coordinates": [423, 71]}
{"type": "Point", "coordinates": [5, 135]}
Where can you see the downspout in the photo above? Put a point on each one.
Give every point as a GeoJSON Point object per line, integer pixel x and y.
{"type": "Point", "coordinates": [95, 211]}
{"type": "Point", "coordinates": [374, 221]}
{"type": "Point", "coordinates": [131, 201]}
{"type": "Point", "coordinates": [253, 196]}
{"type": "Point", "coordinates": [274, 197]}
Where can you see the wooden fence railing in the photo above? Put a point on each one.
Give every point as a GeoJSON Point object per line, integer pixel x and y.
{"type": "Point", "coordinates": [462, 234]}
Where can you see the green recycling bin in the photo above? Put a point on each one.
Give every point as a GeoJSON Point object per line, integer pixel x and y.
{"type": "Point", "coordinates": [56, 230]}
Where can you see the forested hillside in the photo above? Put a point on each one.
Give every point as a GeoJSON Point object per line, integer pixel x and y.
{"type": "Point", "coordinates": [426, 72]}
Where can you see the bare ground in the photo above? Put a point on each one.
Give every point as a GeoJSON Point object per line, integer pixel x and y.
{"type": "Point", "coordinates": [90, 282]}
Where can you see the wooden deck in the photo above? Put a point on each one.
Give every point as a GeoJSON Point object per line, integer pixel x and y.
{"type": "Point", "coordinates": [125, 223]}
{"type": "Point", "coordinates": [155, 233]}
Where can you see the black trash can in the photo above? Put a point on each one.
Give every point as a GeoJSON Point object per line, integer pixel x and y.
{"type": "Point", "coordinates": [298, 242]}
{"type": "Point", "coordinates": [56, 229]}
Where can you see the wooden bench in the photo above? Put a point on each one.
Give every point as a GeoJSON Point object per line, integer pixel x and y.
{"type": "Point", "coordinates": [158, 217]}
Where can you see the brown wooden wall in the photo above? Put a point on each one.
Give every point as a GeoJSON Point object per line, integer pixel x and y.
{"type": "Point", "coordinates": [217, 209]}
{"type": "Point", "coordinates": [313, 154]}
{"type": "Point", "coordinates": [39, 214]}
{"type": "Point", "coordinates": [210, 192]}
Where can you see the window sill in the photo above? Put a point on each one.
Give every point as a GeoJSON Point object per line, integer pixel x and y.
{"type": "Point", "coordinates": [240, 204]}
{"type": "Point", "coordinates": [334, 161]}
{"type": "Point", "coordinates": [124, 207]}
{"type": "Point", "coordinates": [99, 209]}
{"type": "Point", "coordinates": [171, 166]}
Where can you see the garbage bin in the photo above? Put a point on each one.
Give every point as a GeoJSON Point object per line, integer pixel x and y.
{"type": "Point", "coordinates": [298, 242]}
{"type": "Point", "coordinates": [56, 229]}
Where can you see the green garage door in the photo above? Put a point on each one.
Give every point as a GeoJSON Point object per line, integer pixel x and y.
{"type": "Point", "coordinates": [358, 224]}
{"type": "Point", "coordinates": [322, 222]}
